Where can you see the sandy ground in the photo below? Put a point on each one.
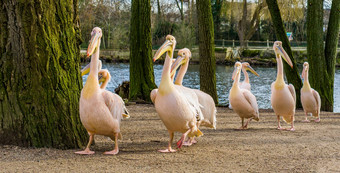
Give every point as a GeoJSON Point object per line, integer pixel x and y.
{"type": "Point", "coordinates": [313, 147]}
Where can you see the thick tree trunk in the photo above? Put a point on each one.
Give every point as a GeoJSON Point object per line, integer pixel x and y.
{"type": "Point", "coordinates": [292, 74]}
{"type": "Point", "coordinates": [142, 79]}
{"type": "Point", "coordinates": [319, 77]}
{"type": "Point", "coordinates": [40, 79]}
{"type": "Point", "coordinates": [206, 48]}
{"type": "Point", "coordinates": [332, 39]}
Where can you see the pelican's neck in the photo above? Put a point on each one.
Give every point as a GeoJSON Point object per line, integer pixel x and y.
{"type": "Point", "coordinates": [181, 73]}
{"type": "Point", "coordinates": [236, 82]}
{"type": "Point", "coordinates": [306, 85]}
{"type": "Point", "coordinates": [92, 84]}
{"type": "Point", "coordinates": [166, 84]}
{"type": "Point", "coordinates": [279, 77]}
{"type": "Point", "coordinates": [246, 77]}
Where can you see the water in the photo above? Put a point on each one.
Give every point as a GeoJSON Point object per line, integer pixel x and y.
{"type": "Point", "coordinates": [260, 85]}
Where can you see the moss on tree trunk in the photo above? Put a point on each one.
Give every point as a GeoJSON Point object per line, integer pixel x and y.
{"type": "Point", "coordinates": [142, 79]}
{"type": "Point", "coordinates": [322, 61]}
{"type": "Point", "coordinates": [332, 39]}
{"type": "Point", "coordinates": [206, 48]}
{"type": "Point", "coordinates": [292, 74]}
{"type": "Point", "coordinates": [40, 80]}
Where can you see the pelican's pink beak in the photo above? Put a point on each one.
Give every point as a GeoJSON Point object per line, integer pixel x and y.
{"type": "Point", "coordinates": [86, 69]}
{"type": "Point", "coordinates": [176, 64]}
{"type": "Point", "coordinates": [248, 67]}
{"type": "Point", "coordinates": [284, 55]}
{"type": "Point", "coordinates": [94, 42]}
{"type": "Point", "coordinates": [166, 47]}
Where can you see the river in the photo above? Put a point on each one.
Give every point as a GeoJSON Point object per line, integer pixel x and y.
{"type": "Point", "coordinates": [260, 85]}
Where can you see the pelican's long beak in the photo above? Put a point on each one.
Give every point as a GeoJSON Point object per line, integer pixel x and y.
{"type": "Point", "coordinates": [166, 47]}
{"type": "Point", "coordinates": [176, 64]}
{"type": "Point", "coordinates": [86, 69]}
{"type": "Point", "coordinates": [236, 72]}
{"type": "Point", "coordinates": [252, 70]}
{"type": "Point", "coordinates": [285, 56]}
{"type": "Point", "coordinates": [94, 42]}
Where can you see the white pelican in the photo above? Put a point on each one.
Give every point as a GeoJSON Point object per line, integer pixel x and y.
{"type": "Point", "coordinates": [208, 105]}
{"type": "Point", "coordinates": [283, 97]}
{"type": "Point", "coordinates": [246, 84]}
{"type": "Point", "coordinates": [100, 111]}
{"type": "Point", "coordinates": [310, 99]}
{"type": "Point", "coordinates": [243, 101]}
{"type": "Point", "coordinates": [175, 109]}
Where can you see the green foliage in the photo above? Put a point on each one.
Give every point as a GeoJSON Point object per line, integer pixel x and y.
{"type": "Point", "coordinates": [162, 29]}
{"type": "Point", "coordinates": [185, 36]}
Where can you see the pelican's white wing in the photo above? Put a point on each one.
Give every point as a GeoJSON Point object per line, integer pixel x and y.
{"type": "Point", "coordinates": [292, 91]}
{"type": "Point", "coordinates": [192, 99]}
{"type": "Point", "coordinates": [252, 101]}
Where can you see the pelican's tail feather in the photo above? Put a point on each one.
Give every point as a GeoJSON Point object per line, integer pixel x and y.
{"type": "Point", "coordinates": [197, 133]}
{"type": "Point", "coordinates": [288, 119]}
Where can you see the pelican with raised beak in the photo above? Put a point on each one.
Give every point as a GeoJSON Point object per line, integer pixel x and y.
{"type": "Point", "coordinates": [100, 110]}
{"type": "Point", "coordinates": [175, 109]}
{"type": "Point", "coordinates": [283, 97]}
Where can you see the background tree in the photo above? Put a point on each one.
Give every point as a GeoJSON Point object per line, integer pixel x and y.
{"type": "Point", "coordinates": [206, 48]}
{"type": "Point", "coordinates": [142, 79]}
{"type": "Point", "coordinates": [246, 28]}
{"type": "Point", "coordinates": [322, 61]}
{"type": "Point", "coordinates": [292, 74]}
{"type": "Point", "coordinates": [40, 77]}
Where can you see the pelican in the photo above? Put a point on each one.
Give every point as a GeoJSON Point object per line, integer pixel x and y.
{"type": "Point", "coordinates": [243, 101]}
{"type": "Point", "coordinates": [104, 75]}
{"type": "Point", "coordinates": [100, 110]}
{"type": "Point", "coordinates": [310, 99]}
{"type": "Point", "coordinates": [208, 105]}
{"type": "Point", "coordinates": [176, 110]}
{"type": "Point", "coordinates": [245, 84]}
{"type": "Point", "coordinates": [283, 97]}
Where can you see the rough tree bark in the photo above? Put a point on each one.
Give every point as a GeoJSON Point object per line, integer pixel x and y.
{"type": "Point", "coordinates": [40, 80]}
{"type": "Point", "coordinates": [322, 61]}
{"type": "Point", "coordinates": [292, 74]}
{"type": "Point", "coordinates": [206, 48]}
{"type": "Point", "coordinates": [142, 79]}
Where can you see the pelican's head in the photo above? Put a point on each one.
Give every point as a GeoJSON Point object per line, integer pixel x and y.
{"type": "Point", "coordinates": [184, 56]}
{"type": "Point", "coordinates": [237, 71]}
{"type": "Point", "coordinates": [96, 34]}
{"type": "Point", "coordinates": [305, 70]}
{"type": "Point", "coordinates": [168, 46]}
{"type": "Point", "coordinates": [246, 66]}
{"type": "Point", "coordinates": [278, 49]}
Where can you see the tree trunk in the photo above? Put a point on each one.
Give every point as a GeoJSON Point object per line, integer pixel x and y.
{"type": "Point", "coordinates": [292, 74]}
{"type": "Point", "coordinates": [319, 78]}
{"type": "Point", "coordinates": [180, 8]}
{"type": "Point", "coordinates": [246, 29]}
{"type": "Point", "coordinates": [142, 79]}
{"type": "Point", "coordinates": [332, 39]}
{"type": "Point", "coordinates": [40, 80]}
{"type": "Point", "coordinates": [206, 48]}
{"type": "Point", "coordinates": [159, 11]}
